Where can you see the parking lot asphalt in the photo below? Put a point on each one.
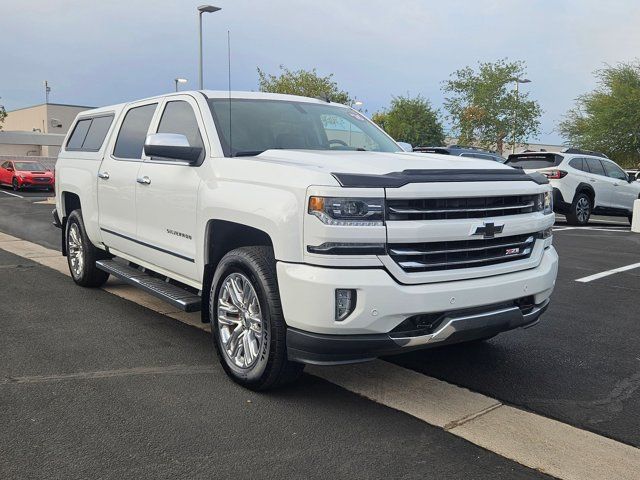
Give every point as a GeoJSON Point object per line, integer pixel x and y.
{"type": "Point", "coordinates": [580, 365]}
{"type": "Point", "coordinates": [94, 386]}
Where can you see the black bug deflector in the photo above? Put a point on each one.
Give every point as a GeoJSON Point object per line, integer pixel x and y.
{"type": "Point", "coordinates": [400, 179]}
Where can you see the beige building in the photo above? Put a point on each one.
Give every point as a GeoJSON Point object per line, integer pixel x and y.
{"type": "Point", "coordinates": [47, 118]}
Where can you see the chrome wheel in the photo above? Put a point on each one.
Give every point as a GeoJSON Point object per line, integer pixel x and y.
{"type": "Point", "coordinates": [583, 209]}
{"type": "Point", "coordinates": [239, 320]}
{"type": "Point", "coordinates": [75, 250]}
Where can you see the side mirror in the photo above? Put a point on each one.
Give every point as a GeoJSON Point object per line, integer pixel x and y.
{"type": "Point", "coordinates": [172, 146]}
{"type": "Point", "coordinates": [407, 147]}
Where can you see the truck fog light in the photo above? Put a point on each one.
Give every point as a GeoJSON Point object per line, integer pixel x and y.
{"type": "Point", "coordinates": [345, 303]}
{"type": "Point", "coordinates": [546, 233]}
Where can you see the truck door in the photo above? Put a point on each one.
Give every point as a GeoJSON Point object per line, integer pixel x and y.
{"type": "Point", "coordinates": [117, 180]}
{"type": "Point", "coordinates": [167, 193]}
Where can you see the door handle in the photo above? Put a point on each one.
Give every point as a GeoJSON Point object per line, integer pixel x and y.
{"type": "Point", "coordinates": [103, 175]}
{"type": "Point", "coordinates": [616, 184]}
{"type": "Point", "coordinates": [144, 180]}
{"type": "Point", "coordinates": [592, 180]}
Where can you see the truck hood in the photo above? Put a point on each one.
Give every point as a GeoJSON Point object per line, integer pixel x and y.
{"type": "Point", "coordinates": [377, 163]}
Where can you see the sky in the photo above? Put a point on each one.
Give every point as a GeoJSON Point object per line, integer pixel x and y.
{"type": "Point", "coordinates": [98, 53]}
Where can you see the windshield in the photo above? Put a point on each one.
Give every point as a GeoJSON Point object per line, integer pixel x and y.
{"type": "Point", "coordinates": [29, 166]}
{"type": "Point", "coordinates": [259, 125]}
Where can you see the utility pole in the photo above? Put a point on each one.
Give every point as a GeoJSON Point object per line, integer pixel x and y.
{"type": "Point", "coordinates": [47, 90]}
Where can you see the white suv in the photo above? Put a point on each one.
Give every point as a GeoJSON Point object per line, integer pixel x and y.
{"type": "Point", "coordinates": [584, 183]}
{"type": "Point", "coordinates": [300, 229]}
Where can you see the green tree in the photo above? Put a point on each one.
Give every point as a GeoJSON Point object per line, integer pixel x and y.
{"type": "Point", "coordinates": [485, 108]}
{"type": "Point", "coordinates": [608, 118]}
{"type": "Point", "coordinates": [411, 120]}
{"type": "Point", "coordinates": [302, 82]}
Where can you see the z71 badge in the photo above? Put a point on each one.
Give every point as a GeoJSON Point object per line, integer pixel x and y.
{"type": "Point", "coordinates": [512, 251]}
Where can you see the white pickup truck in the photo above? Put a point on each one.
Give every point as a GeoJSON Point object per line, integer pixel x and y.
{"type": "Point", "coordinates": [300, 229]}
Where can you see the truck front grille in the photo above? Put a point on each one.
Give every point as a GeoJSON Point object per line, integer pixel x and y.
{"type": "Point", "coordinates": [466, 207]}
{"type": "Point", "coordinates": [432, 256]}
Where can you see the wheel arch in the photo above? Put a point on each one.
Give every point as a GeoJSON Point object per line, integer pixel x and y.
{"type": "Point", "coordinates": [69, 202]}
{"type": "Point", "coordinates": [588, 190]}
{"type": "Point", "coordinates": [222, 236]}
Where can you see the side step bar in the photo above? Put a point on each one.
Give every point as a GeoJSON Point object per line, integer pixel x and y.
{"type": "Point", "coordinates": [176, 296]}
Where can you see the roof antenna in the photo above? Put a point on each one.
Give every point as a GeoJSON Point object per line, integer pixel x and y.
{"type": "Point", "coordinates": [229, 89]}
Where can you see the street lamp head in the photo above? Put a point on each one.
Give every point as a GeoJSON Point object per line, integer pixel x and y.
{"type": "Point", "coordinates": [181, 80]}
{"type": "Point", "coordinates": [358, 103]}
{"type": "Point", "coordinates": [208, 9]}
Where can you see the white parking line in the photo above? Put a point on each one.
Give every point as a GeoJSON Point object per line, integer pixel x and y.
{"type": "Point", "coordinates": [606, 273]}
{"type": "Point", "coordinates": [547, 445]}
{"type": "Point", "coordinates": [12, 194]}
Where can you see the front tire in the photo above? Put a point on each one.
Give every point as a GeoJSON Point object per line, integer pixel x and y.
{"type": "Point", "coordinates": [82, 254]}
{"type": "Point", "coordinates": [247, 324]}
{"type": "Point", "coordinates": [580, 210]}
{"type": "Point", "coordinates": [15, 184]}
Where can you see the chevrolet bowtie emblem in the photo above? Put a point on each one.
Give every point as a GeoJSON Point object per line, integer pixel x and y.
{"type": "Point", "coordinates": [489, 230]}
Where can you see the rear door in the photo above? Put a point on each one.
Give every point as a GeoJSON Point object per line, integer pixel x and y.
{"type": "Point", "coordinates": [167, 197]}
{"type": "Point", "coordinates": [117, 179]}
{"type": "Point", "coordinates": [602, 185]}
{"type": "Point", "coordinates": [624, 193]}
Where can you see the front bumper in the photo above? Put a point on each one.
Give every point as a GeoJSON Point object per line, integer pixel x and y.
{"type": "Point", "coordinates": [28, 182]}
{"type": "Point", "coordinates": [313, 348]}
{"type": "Point", "coordinates": [307, 293]}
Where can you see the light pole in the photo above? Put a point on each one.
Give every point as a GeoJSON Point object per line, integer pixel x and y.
{"type": "Point", "coordinates": [518, 81]}
{"type": "Point", "coordinates": [203, 9]}
{"type": "Point", "coordinates": [179, 80]}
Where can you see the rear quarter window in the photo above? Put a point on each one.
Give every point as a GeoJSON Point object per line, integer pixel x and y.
{"type": "Point", "coordinates": [577, 163]}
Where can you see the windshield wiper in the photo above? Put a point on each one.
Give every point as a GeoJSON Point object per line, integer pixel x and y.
{"type": "Point", "coordinates": [247, 153]}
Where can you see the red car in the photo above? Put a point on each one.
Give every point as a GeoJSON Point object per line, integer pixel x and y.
{"type": "Point", "coordinates": [26, 173]}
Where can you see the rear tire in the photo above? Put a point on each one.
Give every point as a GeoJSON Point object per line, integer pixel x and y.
{"type": "Point", "coordinates": [82, 254]}
{"type": "Point", "coordinates": [580, 210]}
{"type": "Point", "coordinates": [247, 324]}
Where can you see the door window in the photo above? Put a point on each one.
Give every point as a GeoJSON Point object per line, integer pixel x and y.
{"type": "Point", "coordinates": [614, 171]}
{"type": "Point", "coordinates": [133, 132]}
{"type": "Point", "coordinates": [595, 166]}
{"type": "Point", "coordinates": [178, 117]}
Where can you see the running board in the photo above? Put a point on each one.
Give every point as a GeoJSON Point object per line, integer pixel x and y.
{"type": "Point", "coordinates": [172, 294]}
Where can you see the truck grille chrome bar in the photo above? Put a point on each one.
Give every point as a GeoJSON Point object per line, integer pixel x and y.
{"type": "Point", "coordinates": [431, 256]}
{"type": "Point", "coordinates": [456, 208]}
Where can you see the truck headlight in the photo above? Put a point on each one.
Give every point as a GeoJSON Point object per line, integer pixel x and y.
{"type": "Point", "coordinates": [545, 203]}
{"type": "Point", "coordinates": [348, 212]}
